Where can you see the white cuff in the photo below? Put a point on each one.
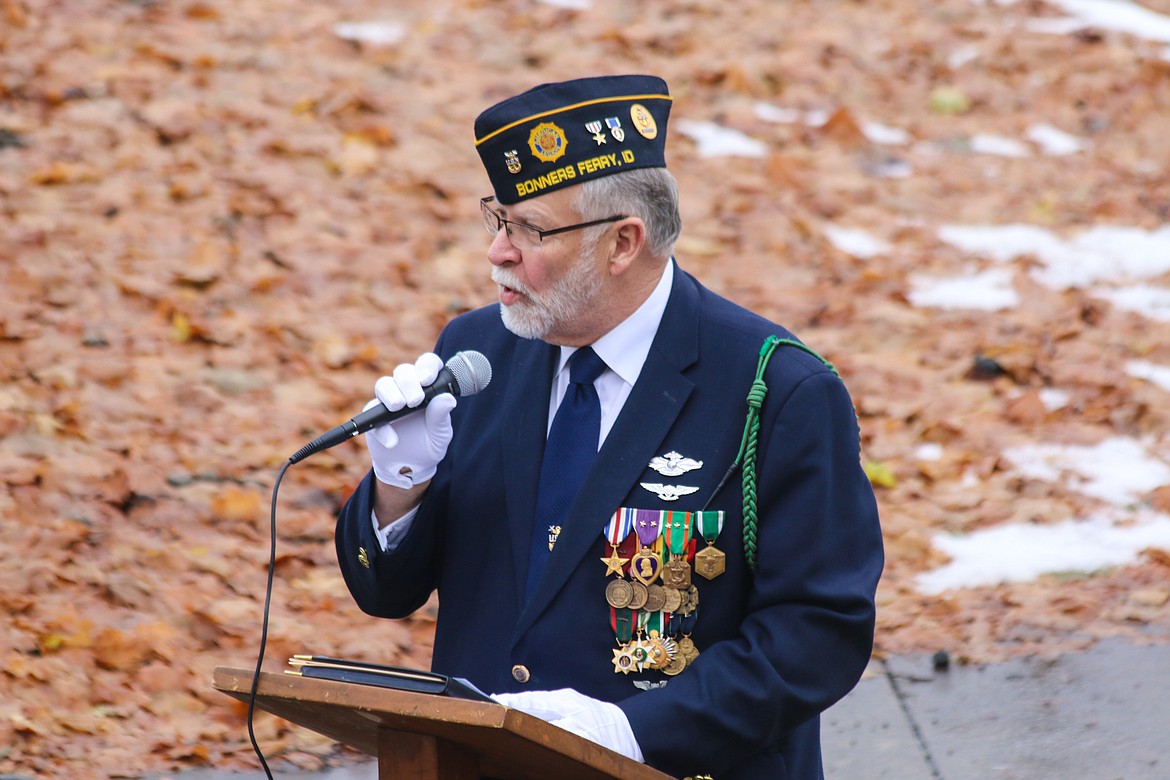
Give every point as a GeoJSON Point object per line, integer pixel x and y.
{"type": "Point", "coordinates": [392, 534]}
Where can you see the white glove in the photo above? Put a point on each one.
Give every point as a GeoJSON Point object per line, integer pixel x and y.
{"type": "Point", "coordinates": [407, 452]}
{"type": "Point", "coordinates": [596, 721]}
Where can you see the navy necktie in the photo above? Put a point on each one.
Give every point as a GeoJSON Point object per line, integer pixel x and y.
{"type": "Point", "coordinates": [568, 454]}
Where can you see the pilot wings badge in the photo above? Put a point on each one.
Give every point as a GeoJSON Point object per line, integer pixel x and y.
{"type": "Point", "coordinates": [669, 492]}
{"type": "Point", "coordinates": [674, 464]}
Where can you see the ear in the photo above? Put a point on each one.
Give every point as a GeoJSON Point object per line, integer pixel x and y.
{"type": "Point", "coordinates": [629, 238]}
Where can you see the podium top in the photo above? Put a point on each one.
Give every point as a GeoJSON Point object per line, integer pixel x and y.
{"type": "Point", "coordinates": [507, 743]}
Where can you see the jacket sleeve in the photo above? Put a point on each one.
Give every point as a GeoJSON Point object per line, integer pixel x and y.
{"type": "Point", "coordinates": [386, 584]}
{"type": "Point", "coordinates": [807, 630]}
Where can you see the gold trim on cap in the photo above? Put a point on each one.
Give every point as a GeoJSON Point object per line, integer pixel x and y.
{"type": "Point", "coordinates": [561, 110]}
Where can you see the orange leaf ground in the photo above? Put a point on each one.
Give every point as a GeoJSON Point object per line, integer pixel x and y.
{"type": "Point", "coordinates": [220, 222]}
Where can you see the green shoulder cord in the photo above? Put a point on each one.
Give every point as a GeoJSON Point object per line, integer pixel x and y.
{"type": "Point", "coordinates": [749, 444]}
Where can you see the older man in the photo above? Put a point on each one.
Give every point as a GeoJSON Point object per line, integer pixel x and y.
{"type": "Point", "coordinates": [595, 563]}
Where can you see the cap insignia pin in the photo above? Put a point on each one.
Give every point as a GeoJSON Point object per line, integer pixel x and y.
{"type": "Point", "coordinates": [643, 121]}
{"type": "Point", "coordinates": [595, 129]}
{"type": "Point", "coordinates": [548, 142]}
{"type": "Point", "coordinates": [615, 128]}
{"type": "Point", "coordinates": [513, 159]}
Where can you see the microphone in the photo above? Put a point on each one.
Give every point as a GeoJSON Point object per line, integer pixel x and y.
{"type": "Point", "coordinates": [466, 373]}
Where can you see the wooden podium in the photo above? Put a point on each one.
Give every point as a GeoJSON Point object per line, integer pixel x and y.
{"type": "Point", "coordinates": [418, 736]}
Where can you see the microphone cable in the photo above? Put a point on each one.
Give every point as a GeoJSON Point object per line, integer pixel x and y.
{"type": "Point", "coordinates": [264, 623]}
{"type": "Point", "coordinates": [465, 374]}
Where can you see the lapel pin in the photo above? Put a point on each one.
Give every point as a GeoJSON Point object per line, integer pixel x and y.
{"type": "Point", "coordinates": [674, 464]}
{"type": "Point", "coordinates": [669, 492]}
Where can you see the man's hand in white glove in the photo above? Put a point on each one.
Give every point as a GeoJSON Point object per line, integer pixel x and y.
{"type": "Point", "coordinates": [407, 452]}
{"type": "Point", "coordinates": [596, 721]}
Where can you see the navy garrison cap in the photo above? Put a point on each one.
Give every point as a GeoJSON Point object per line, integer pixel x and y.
{"type": "Point", "coordinates": [558, 135]}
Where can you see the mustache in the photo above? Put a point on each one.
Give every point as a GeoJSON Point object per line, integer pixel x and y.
{"type": "Point", "coordinates": [506, 278]}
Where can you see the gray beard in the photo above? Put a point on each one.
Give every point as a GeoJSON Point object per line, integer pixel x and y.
{"type": "Point", "coordinates": [535, 316]}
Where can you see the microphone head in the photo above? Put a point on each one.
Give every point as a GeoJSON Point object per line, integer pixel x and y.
{"type": "Point", "coordinates": [471, 370]}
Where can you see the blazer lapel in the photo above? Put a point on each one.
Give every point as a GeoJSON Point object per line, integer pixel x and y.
{"type": "Point", "coordinates": [525, 428]}
{"type": "Point", "coordinates": [654, 404]}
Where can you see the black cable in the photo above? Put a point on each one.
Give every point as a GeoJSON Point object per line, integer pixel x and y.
{"type": "Point", "coordinates": [264, 624]}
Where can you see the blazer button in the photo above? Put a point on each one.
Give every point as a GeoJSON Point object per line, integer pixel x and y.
{"type": "Point", "coordinates": [520, 673]}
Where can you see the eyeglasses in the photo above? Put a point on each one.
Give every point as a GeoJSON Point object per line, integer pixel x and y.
{"type": "Point", "coordinates": [525, 236]}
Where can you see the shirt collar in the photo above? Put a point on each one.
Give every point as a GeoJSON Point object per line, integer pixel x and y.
{"type": "Point", "coordinates": [624, 349]}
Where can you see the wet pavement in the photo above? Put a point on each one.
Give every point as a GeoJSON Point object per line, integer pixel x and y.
{"type": "Point", "coordinates": [1102, 714]}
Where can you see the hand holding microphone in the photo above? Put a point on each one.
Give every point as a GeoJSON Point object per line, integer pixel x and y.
{"type": "Point", "coordinates": [407, 452]}
{"type": "Point", "coordinates": [418, 438]}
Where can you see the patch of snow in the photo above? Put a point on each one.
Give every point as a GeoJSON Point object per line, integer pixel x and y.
{"type": "Point", "coordinates": [1118, 470]}
{"type": "Point", "coordinates": [718, 141]}
{"type": "Point", "coordinates": [1054, 399]}
{"type": "Point", "coordinates": [1053, 141]}
{"type": "Point", "coordinates": [1151, 372]}
{"type": "Point", "coordinates": [883, 134]}
{"type": "Point", "coordinates": [988, 291]}
{"type": "Point", "coordinates": [855, 242]}
{"type": "Point", "coordinates": [1022, 552]}
{"type": "Point", "coordinates": [929, 451]}
{"type": "Point", "coordinates": [998, 146]}
{"type": "Point", "coordinates": [1151, 302]}
{"type": "Point", "coordinates": [1100, 254]}
{"type": "Point", "coordinates": [1115, 15]}
{"type": "Point", "coordinates": [374, 33]}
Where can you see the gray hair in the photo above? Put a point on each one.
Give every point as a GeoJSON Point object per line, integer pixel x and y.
{"type": "Point", "coordinates": [651, 194]}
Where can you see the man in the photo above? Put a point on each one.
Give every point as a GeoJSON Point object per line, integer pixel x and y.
{"type": "Point", "coordinates": [592, 562]}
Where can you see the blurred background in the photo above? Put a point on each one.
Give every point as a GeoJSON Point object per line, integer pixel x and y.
{"type": "Point", "coordinates": [220, 222]}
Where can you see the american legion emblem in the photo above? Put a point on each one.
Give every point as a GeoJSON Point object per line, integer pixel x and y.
{"type": "Point", "coordinates": [548, 142]}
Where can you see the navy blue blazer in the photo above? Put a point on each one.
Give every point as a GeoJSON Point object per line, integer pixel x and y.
{"type": "Point", "coordinates": [778, 645]}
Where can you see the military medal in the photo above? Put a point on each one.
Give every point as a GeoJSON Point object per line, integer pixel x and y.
{"type": "Point", "coordinates": [677, 533]}
{"type": "Point", "coordinates": [672, 599]}
{"type": "Point", "coordinates": [687, 649]}
{"type": "Point", "coordinates": [655, 598]}
{"type": "Point", "coordinates": [618, 594]}
{"type": "Point", "coordinates": [660, 650]}
{"type": "Point", "coordinates": [710, 562]}
{"type": "Point", "coordinates": [690, 601]}
{"type": "Point", "coordinates": [638, 595]}
{"type": "Point", "coordinates": [616, 530]}
{"type": "Point", "coordinates": [624, 660]}
{"type": "Point", "coordinates": [646, 566]}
